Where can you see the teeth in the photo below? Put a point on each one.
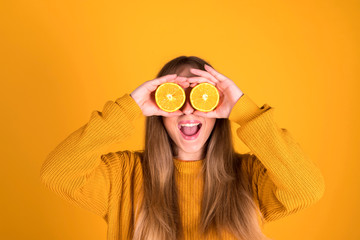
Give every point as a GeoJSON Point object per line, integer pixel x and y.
{"type": "Point", "coordinates": [189, 124]}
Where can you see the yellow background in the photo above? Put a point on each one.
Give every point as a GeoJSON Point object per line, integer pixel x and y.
{"type": "Point", "coordinates": [60, 60]}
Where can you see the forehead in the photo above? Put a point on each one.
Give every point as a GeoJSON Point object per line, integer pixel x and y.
{"type": "Point", "coordinates": [184, 71]}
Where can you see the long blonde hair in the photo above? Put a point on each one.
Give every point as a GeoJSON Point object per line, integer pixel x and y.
{"type": "Point", "coordinates": [227, 195]}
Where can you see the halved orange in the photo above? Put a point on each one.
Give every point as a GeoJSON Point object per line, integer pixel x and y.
{"type": "Point", "coordinates": [170, 97]}
{"type": "Point", "coordinates": [204, 97]}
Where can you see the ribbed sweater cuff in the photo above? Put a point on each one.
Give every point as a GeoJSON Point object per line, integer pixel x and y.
{"type": "Point", "coordinates": [128, 104]}
{"type": "Point", "coordinates": [245, 109]}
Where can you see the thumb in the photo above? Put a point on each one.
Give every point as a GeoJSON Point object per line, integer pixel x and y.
{"type": "Point", "coordinates": [170, 114]}
{"type": "Point", "coordinates": [211, 114]}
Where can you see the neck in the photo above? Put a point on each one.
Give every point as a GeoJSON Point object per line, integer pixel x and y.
{"type": "Point", "coordinates": [190, 156]}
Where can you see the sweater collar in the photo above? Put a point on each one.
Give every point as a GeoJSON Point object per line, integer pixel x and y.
{"type": "Point", "coordinates": [184, 166]}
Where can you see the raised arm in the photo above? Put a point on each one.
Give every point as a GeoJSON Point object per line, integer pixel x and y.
{"type": "Point", "coordinates": [80, 169]}
{"type": "Point", "coordinates": [285, 180]}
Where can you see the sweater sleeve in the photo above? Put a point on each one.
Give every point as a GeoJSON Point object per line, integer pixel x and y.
{"type": "Point", "coordinates": [284, 179]}
{"type": "Point", "coordinates": [80, 169]}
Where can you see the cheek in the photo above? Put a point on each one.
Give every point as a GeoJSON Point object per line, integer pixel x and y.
{"type": "Point", "coordinates": [172, 133]}
{"type": "Point", "coordinates": [170, 127]}
{"type": "Point", "coordinates": [209, 127]}
{"type": "Point", "coordinates": [212, 124]}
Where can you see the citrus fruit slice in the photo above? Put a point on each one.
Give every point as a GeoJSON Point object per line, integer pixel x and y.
{"type": "Point", "coordinates": [169, 97]}
{"type": "Point", "coordinates": [204, 97]}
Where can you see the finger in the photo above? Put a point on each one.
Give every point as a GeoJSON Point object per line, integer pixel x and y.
{"type": "Point", "coordinates": [180, 79]}
{"type": "Point", "coordinates": [215, 73]}
{"type": "Point", "coordinates": [170, 114]}
{"type": "Point", "coordinates": [153, 84]}
{"type": "Point", "coordinates": [176, 113]}
{"type": "Point", "coordinates": [203, 74]}
{"type": "Point", "coordinates": [184, 84]}
{"type": "Point", "coordinates": [199, 80]}
{"type": "Point", "coordinates": [168, 77]}
{"type": "Point", "coordinates": [163, 79]}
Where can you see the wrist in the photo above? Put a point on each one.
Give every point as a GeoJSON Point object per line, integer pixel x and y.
{"type": "Point", "coordinates": [239, 95]}
{"type": "Point", "coordinates": [136, 99]}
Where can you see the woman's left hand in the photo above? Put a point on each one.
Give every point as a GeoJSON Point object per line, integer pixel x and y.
{"type": "Point", "coordinates": [229, 92]}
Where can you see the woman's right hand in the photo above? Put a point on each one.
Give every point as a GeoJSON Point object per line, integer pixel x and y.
{"type": "Point", "coordinates": [144, 95]}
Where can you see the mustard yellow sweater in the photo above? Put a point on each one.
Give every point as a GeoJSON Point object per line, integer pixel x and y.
{"type": "Point", "coordinates": [82, 170]}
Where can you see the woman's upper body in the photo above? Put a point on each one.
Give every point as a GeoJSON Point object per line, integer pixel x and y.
{"type": "Point", "coordinates": [82, 170]}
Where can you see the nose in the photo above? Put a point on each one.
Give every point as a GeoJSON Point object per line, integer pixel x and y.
{"type": "Point", "coordinates": [187, 108]}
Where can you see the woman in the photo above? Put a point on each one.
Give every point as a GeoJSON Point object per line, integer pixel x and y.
{"type": "Point", "coordinates": [181, 188]}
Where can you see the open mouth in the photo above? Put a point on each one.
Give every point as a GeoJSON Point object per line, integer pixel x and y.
{"type": "Point", "coordinates": [190, 131]}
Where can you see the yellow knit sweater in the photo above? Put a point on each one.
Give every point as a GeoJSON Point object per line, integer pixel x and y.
{"type": "Point", "coordinates": [82, 171]}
